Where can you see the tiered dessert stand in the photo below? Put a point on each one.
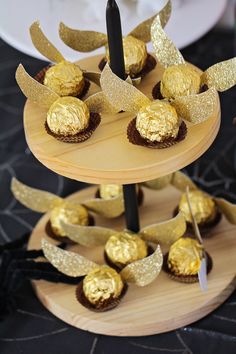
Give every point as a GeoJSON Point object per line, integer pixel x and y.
{"type": "Point", "coordinates": [108, 157]}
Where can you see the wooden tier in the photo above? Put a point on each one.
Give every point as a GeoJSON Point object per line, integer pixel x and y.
{"type": "Point", "coordinates": [160, 307]}
{"type": "Point", "coordinates": [108, 157]}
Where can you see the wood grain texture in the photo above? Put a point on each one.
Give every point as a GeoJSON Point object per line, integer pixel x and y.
{"type": "Point", "coordinates": [108, 157]}
{"type": "Point", "coordinates": [160, 307]}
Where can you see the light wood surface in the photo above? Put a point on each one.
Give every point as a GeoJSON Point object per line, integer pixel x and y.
{"type": "Point", "coordinates": [160, 307]}
{"type": "Point", "coordinates": [108, 157]}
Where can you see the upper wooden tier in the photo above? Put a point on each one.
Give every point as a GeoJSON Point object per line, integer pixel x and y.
{"type": "Point", "coordinates": [108, 157]}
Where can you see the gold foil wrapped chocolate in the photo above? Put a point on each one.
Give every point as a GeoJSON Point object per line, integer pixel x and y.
{"type": "Point", "coordinates": [110, 191]}
{"type": "Point", "coordinates": [203, 207]}
{"type": "Point", "coordinates": [185, 256]}
{"type": "Point", "coordinates": [101, 285]}
{"type": "Point", "coordinates": [68, 116]}
{"type": "Point", "coordinates": [158, 121]}
{"type": "Point", "coordinates": [124, 248]}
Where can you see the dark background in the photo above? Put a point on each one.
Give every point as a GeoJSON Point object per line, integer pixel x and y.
{"type": "Point", "coordinates": [31, 329]}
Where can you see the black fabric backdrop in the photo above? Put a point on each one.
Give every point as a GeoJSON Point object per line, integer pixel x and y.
{"type": "Point", "coordinates": [31, 328]}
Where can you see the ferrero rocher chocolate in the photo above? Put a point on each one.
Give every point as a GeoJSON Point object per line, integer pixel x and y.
{"type": "Point", "coordinates": [101, 285]}
{"type": "Point", "coordinates": [68, 116]}
{"type": "Point", "coordinates": [124, 248]}
{"type": "Point", "coordinates": [69, 213]}
{"type": "Point", "coordinates": [109, 191]}
{"type": "Point", "coordinates": [64, 78]}
{"type": "Point", "coordinates": [135, 55]}
{"type": "Point", "coordinates": [158, 121]}
{"type": "Point", "coordinates": [185, 256]}
{"type": "Point", "coordinates": [203, 207]}
{"type": "Point", "coordinates": [180, 80]}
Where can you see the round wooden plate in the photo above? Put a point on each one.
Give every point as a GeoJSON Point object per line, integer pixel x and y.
{"type": "Point", "coordinates": [108, 157]}
{"type": "Point", "coordinates": [160, 307]}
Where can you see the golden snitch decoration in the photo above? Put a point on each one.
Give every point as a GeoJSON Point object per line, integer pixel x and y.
{"type": "Point", "coordinates": [138, 62]}
{"type": "Point", "coordinates": [64, 78]}
{"type": "Point", "coordinates": [191, 91]}
{"type": "Point", "coordinates": [159, 123]}
{"type": "Point", "coordinates": [64, 210]}
{"type": "Point", "coordinates": [103, 287]}
{"type": "Point", "coordinates": [68, 118]}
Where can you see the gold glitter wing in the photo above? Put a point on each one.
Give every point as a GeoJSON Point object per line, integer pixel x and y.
{"type": "Point", "coordinates": [121, 94]}
{"type": "Point", "coordinates": [180, 181]}
{"type": "Point", "coordinates": [42, 43]}
{"type": "Point", "coordinates": [93, 76]}
{"type": "Point", "coordinates": [227, 208]}
{"type": "Point", "coordinates": [166, 232]}
{"type": "Point", "coordinates": [34, 199]}
{"type": "Point", "coordinates": [221, 76]}
{"type": "Point", "coordinates": [110, 208]}
{"type": "Point", "coordinates": [82, 41]}
{"type": "Point", "coordinates": [33, 90]}
{"type": "Point", "coordinates": [196, 108]}
{"type": "Point", "coordinates": [98, 103]}
{"type": "Point", "coordinates": [88, 236]}
{"type": "Point", "coordinates": [66, 262]}
{"type": "Point", "coordinates": [142, 31]}
{"type": "Point", "coordinates": [158, 183]}
{"type": "Point", "coordinates": [164, 49]}
{"type": "Point", "coordinates": [144, 271]}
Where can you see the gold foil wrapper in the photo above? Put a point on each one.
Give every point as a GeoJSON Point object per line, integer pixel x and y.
{"type": "Point", "coordinates": [35, 199]}
{"type": "Point", "coordinates": [203, 207]}
{"type": "Point", "coordinates": [68, 116]}
{"type": "Point", "coordinates": [144, 271]}
{"type": "Point", "coordinates": [64, 78]}
{"type": "Point", "coordinates": [158, 121]}
{"type": "Point", "coordinates": [142, 31]}
{"type": "Point", "coordinates": [221, 76]}
{"type": "Point", "coordinates": [180, 80]}
{"type": "Point", "coordinates": [185, 256]}
{"type": "Point", "coordinates": [33, 90]}
{"type": "Point", "coordinates": [110, 208]}
{"type": "Point", "coordinates": [98, 103]}
{"type": "Point", "coordinates": [121, 94]}
{"type": "Point", "coordinates": [197, 108]}
{"type": "Point", "coordinates": [124, 248]}
{"type": "Point", "coordinates": [227, 208]}
{"type": "Point", "coordinates": [67, 262]}
{"type": "Point", "coordinates": [101, 284]}
{"type": "Point", "coordinates": [69, 213]}
{"type": "Point", "coordinates": [83, 41]}
{"type": "Point", "coordinates": [166, 232]}
{"type": "Point", "coordinates": [43, 45]}
{"type": "Point", "coordinates": [110, 191]}
{"type": "Point", "coordinates": [165, 50]}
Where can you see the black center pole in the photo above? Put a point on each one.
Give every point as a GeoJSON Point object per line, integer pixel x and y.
{"type": "Point", "coordinates": [115, 44]}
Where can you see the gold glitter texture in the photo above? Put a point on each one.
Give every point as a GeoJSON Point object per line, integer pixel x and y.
{"type": "Point", "coordinates": [92, 76]}
{"type": "Point", "coordinates": [110, 208]}
{"type": "Point", "coordinates": [120, 93]}
{"type": "Point", "coordinates": [227, 208]}
{"type": "Point", "coordinates": [67, 262]}
{"type": "Point", "coordinates": [144, 271]}
{"type": "Point", "coordinates": [180, 181]}
{"type": "Point", "coordinates": [158, 183]}
{"type": "Point", "coordinates": [98, 103]}
{"type": "Point", "coordinates": [165, 50]}
{"type": "Point", "coordinates": [166, 232]}
{"type": "Point", "coordinates": [221, 76]}
{"type": "Point", "coordinates": [33, 90]}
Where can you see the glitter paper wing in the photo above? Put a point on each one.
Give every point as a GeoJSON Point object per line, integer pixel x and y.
{"type": "Point", "coordinates": [98, 103]}
{"type": "Point", "coordinates": [88, 236]}
{"type": "Point", "coordinates": [221, 76]}
{"type": "Point", "coordinates": [196, 108]}
{"type": "Point", "coordinates": [44, 46]}
{"type": "Point", "coordinates": [158, 183]}
{"type": "Point", "coordinates": [83, 41]}
{"type": "Point", "coordinates": [34, 199]}
{"type": "Point", "coordinates": [180, 181]}
{"type": "Point", "coordinates": [66, 262]}
{"type": "Point", "coordinates": [110, 208]}
{"type": "Point", "coordinates": [33, 90]}
{"type": "Point", "coordinates": [93, 76]}
{"type": "Point", "coordinates": [227, 208]}
{"type": "Point", "coordinates": [121, 94]}
{"type": "Point", "coordinates": [166, 232]}
{"type": "Point", "coordinates": [165, 50]}
{"type": "Point", "coordinates": [142, 31]}
{"type": "Point", "coordinates": [144, 271]}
